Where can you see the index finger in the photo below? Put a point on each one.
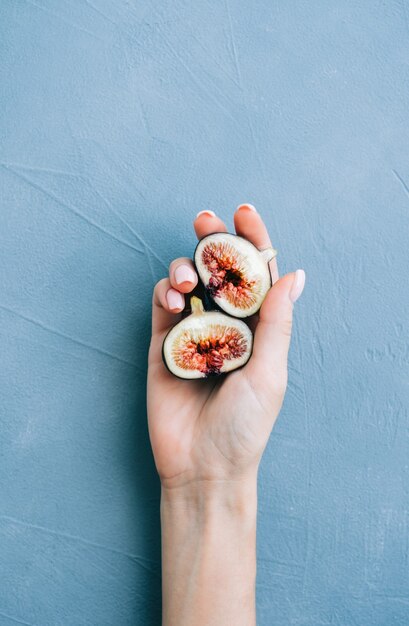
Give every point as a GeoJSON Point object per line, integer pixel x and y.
{"type": "Point", "coordinates": [207, 222]}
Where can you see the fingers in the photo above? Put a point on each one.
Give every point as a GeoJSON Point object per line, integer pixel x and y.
{"type": "Point", "coordinates": [267, 368]}
{"type": "Point", "coordinates": [183, 275]}
{"type": "Point", "coordinates": [206, 223]}
{"type": "Point", "coordinates": [168, 295]}
{"type": "Point", "coordinates": [166, 303]}
{"type": "Point", "coordinates": [248, 224]}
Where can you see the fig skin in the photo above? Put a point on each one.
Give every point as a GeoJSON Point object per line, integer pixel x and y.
{"type": "Point", "coordinates": [264, 255]}
{"type": "Point", "coordinates": [197, 309]}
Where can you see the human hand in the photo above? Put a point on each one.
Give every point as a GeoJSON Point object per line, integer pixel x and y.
{"type": "Point", "coordinates": [215, 430]}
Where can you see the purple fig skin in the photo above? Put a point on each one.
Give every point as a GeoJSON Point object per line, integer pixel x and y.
{"type": "Point", "coordinates": [201, 292]}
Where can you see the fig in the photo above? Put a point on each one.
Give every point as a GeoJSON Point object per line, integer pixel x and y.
{"type": "Point", "coordinates": [206, 343]}
{"type": "Point", "coordinates": [234, 272]}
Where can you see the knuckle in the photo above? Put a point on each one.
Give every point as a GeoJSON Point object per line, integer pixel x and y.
{"type": "Point", "coordinates": [178, 261]}
{"type": "Point", "coordinates": [163, 282]}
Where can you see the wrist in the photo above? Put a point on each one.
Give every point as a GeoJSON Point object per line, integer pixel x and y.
{"type": "Point", "coordinates": [212, 498]}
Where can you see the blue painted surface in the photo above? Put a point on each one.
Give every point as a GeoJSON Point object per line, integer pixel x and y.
{"type": "Point", "coordinates": [119, 121]}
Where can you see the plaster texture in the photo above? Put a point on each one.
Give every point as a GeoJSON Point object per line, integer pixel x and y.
{"type": "Point", "coordinates": [120, 120]}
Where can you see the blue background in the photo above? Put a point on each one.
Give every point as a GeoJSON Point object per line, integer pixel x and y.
{"type": "Point", "coordinates": [119, 121]}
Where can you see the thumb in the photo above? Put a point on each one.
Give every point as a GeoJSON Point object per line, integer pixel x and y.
{"type": "Point", "coordinates": [267, 368]}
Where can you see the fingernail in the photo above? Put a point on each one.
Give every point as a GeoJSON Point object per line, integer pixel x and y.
{"type": "Point", "coordinates": [297, 286]}
{"type": "Point", "coordinates": [211, 213]}
{"type": "Point", "coordinates": [184, 274]}
{"type": "Point", "coordinates": [249, 207]}
{"type": "Point", "coordinates": [175, 300]}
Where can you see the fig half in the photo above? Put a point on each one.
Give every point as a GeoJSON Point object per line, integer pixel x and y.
{"type": "Point", "coordinates": [206, 343]}
{"type": "Point", "coordinates": [234, 272]}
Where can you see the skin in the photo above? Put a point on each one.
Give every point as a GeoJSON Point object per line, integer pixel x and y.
{"type": "Point", "coordinates": [208, 437]}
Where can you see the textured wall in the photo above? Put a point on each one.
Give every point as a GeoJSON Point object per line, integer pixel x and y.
{"type": "Point", "coordinates": [119, 121]}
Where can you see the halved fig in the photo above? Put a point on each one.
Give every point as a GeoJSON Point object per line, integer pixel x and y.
{"type": "Point", "coordinates": [234, 272]}
{"type": "Point", "coordinates": [206, 343]}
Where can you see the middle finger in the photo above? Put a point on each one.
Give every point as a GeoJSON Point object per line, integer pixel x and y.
{"type": "Point", "coordinates": [248, 224]}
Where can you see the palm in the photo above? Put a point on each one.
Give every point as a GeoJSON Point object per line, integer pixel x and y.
{"type": "Point", "coordinates": [207, 427]}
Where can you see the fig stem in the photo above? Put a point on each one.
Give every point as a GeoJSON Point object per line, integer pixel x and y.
{"type": "Point", "coordinates": [196, 305]}
{"type": "Point", "coordinates": [268, 254]}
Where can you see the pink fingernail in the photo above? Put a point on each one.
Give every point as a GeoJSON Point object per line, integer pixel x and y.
{"type": "Point", "coordinates": [249, 207]}
{"type": "Point", "coordinates": [210, 213]}
{"type": "Point", "coordinates": [175, 300]}
{"type": "Point", "coordinates": [184, 274]}
{"type": "Point", "coordinates": [297, 286]}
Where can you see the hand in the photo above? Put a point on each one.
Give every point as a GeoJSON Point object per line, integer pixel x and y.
{"type": "Point", "coordinates": [207, 431]}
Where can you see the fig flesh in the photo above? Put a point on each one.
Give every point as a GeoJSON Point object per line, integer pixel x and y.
{"type": "Point", "coordinates": [234, 272]}
{"type": "Point", "coordinates": [206, 343]}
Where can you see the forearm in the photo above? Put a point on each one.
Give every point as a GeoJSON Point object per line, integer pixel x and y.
{"type": "Point", "coordinates": [209, 554]}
